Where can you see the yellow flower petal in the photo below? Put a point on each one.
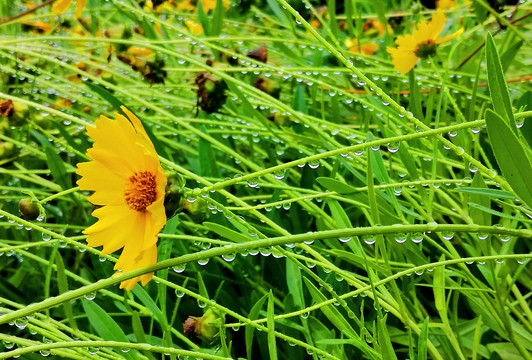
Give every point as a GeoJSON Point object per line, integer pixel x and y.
{"type": "Point", "coordinates": [449, 37]}
{"type": "Point", "coordinates": [403, 61]}
{"type": "Point", "coordinates": [60, 6]}
{"type": "Point", "coordinates": [80, 5]}
{"type": "Point", "coordinates": [129, 183]}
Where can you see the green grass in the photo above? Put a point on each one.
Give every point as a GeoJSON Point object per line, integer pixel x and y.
{"type": "Point", "coordinates": [351, 212]}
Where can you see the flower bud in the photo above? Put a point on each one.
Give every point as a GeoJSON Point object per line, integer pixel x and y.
{"type": "Point", "coordinates": [7, 150]}
{"type": "Point", "coordinates": [260, 54]}
{"type": "Point", "coordinates": [197, 210]}
{"type": "Point", "coordinates": [211, 91]}
{"type": "Point", "coordinates": [29, 209]}
{"type": "Point", "coordinates": [268, 86]}
{"type": "Point", "coordinates": [206, 327]}
{"type": "Point", "coordinates": [174, 200]}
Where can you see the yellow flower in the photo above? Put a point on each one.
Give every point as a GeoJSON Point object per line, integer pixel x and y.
{"type": "Point", "coordinates": [421, 44]}
{"type": "Point", "coordinates": [445, 4]}
{"type": "Point", "coordinates": [194, 27]}
{"type": "Point", "coordinates": [207, 5]}
{"type": "Point", "coordinates": [60, 6]}
{"type": "Point", "coordinates": [129, 184]}
{"type": "Point", "coordinates": [366, 49]}
{"type": "Point", "coordinates": [375, 25]}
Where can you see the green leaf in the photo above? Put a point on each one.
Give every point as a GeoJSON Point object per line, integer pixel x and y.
{"type": "Point", "coordinates": [104, 94]}
{"type": "Point", "coordinates": [204, 20]}
{"type": "Point", "coordinates": [106, 327]}
{"type": "Point", "coordinates": [415, 96]}
{"type": "Point", "coordinates": [146, 299]}
{"type": "Point", "coordinates": [272, 347]}
{"type": "Point", "coordinates": [250, 330]}
{"type": "Point", "coordinates": [423, 340]}
{"type": "Point", "coordinates": [225, 232]}
{"type": "Point", "coordinates": [509, 55]}
{"type": "Point", "coordinates": [218, 18]}
{"type": "Point", "coordinates": [278, 11]}
{"type": "Point", "coordinates": [385, 343]}
{"type": "Point", "coordinates": [57, 168]}
{"type": "Point", "coordinates": [500, 97]}
{"type": "Point", "coordinates": [207, 158]}
{"type": "Point", "coordinates": [510, 156]}
{"type": "Point", "coordinates": [485, 192]}
{"type": "Point", "coordinates": [331, 312]}
{"type": "Point", "coordinates": [62, 283]}
{"type": "Point", "coordinates": [478, 196]}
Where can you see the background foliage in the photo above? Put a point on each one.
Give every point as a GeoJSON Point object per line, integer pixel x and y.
{"type": "Point", "coordinates": [335, 208]}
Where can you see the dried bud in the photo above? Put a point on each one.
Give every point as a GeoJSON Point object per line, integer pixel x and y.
{"type": "Point", "coordinates": [260, 54]}
{"type": "Point", "coordinates": [152, 70]}
{"type": "Point", "coordinates": [6, 108]}
{"type": "Point", "coordinates": [211, 91]}
{"type": "Point", "coordinates": [268, 86]}
{"type": "Point", "coordinates": [16, 112]}
{"type": "Point", "coordinates": [206, 327]}
{"type": "Point", "coordinates": [28, 209]}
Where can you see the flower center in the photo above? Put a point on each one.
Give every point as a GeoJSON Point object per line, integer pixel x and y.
{"type": "Point", "coordinates": [142, 191]}
{"type": "Point", "coordinates": [426, 49]}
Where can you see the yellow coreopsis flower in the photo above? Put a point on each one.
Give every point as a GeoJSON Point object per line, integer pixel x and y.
{"type": "Point", "coordinates": [421, 44]}
{"type": "Point", "coordinates": [129, 185]}
{"type": "Point", "coordinates": [366, 49]}
{"type": "Point", "coordinates": [194, 27]}
{"type": "Point", "coordinates": [60, 7]}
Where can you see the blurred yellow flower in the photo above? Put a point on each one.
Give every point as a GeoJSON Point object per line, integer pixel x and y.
{"type": "Point", "coordinates": [366, 49]}
{"type": "Point", "coordinates": [207, 5]}
{"type": "Point", "coordinates": [194, 27]}
{"type": "Point", "coordinates": [445, 4]}
{"type": "Point", "coordinates": [421, 44]}
{"type": "Point", "coordinates": [375, 25]}
{"type": "Point", "coordinates": [129, 185]}
{"type": "Point", "coordinates": [60, 7]}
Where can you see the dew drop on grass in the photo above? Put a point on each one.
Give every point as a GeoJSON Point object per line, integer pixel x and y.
{"type": "Point", "coordinates": [236, 327]}
{"type": "Point", "coordinates": [447, 235]}
{"type": "Point", "coordinates": [417, 237]}
{"type": "Point", "coordinates": [400, 238]}
{"type": "Point", "coordinates": [345, 239]}
{"type": "Point", "coordinates": [90, 296]}
{"type": "Point", "coordinates": [314, 164]}
{"type": "Point", "coordinates": [253, 182]}
{"type": "Point", "coordinates": [179, 268]}
{"type": "Point", "coordinates": [46, 237]}
{"type": "Point", "coordinates": [93, 350]}
{"type": "Point", "coordinates": [482, 236]}
{"type": "Point", "coordinates": [279, 174]}
{"type": "Point", "coordinates": [369, 239]}
{"type": "Point", "coordinates": [44, 353]}
{"type": "Point", "coordinates": [21, 323]}
{"type": "Point", "coordinates": [229, 257]}
{"type": "Point", "coordinates": [203, 262]}
{"type": "Point", "coordinates": [305, 315]}
{"type": "Point", "coordinates": [202, 304]}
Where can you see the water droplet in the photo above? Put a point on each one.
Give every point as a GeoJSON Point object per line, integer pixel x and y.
{"type": "Point", "coordinates": [505, 238]}
{"type": "Point", "coordinates": [314, 164]}
{"type": "Point", "coordinates": [253, 182]}
{"type": "Point", "coordinates": [369, 239]}
{"type": "Point", "coordinates": [482, 236]}
{"type": "Point", "coordinates": [229, 257]}
{"type": "Point", "coordinates": [21, 323]}
{"type": "Point", "coordinates": [125, 350]}
{"type": "Point", "coordinates": [417, 237]}
{"type": "Point", "coordinates": [46, 237]}
{"type": "Point", "coordinates": [400, 238]}
{"type": "Point", "coordinates": [93, 350]}
{"type": "Point", "coordinates": [179, 268]}
{"type": "Point", "coordinates": [393, 147]}
{"type": "Point", "coordinates": [236, 327]}
{"type": "Point", "coordinates": [44, 353]}
{"type": "Point", "coordinates": [287, 206]}
{"type": "Point", "coordinates": [305, 315]}
{"type": "Point", "coordinates": [202, 304]}
{"type": "Point", "coordinates": [203, 262]}
{"type": "Point", "coordinates": [90, 296]}
{"type": "Point", "coordinates": [279, 174]}
{"type": "Point", "coordinates": [447, 235]}
{"type": "Point", "coordinates": [179, 293]}
{"type": "Point", "coordinates": [345, 239]}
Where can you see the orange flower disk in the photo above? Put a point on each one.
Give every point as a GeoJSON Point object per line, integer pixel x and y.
{"type": "Point", "coordinates": [129, 184]}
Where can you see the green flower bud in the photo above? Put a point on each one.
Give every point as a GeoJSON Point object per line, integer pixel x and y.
{"type": "Point", "coordinates": [197, 210]}
{"type": "Point", "coordinates": [174, 200]}
{"type": "Point", "coordinates": [7, 150]}
{"type": "Point", "coordinates": [29, 209]}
